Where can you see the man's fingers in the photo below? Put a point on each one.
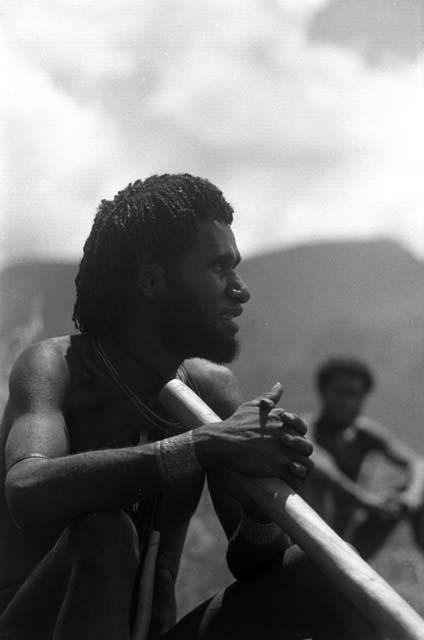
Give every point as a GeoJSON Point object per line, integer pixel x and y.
{"type": "Point", "coordinates": [301, 467]}
{"type": "Point", "coordinates": [269, 399]}
{"type": "Point", "coordinates": [266, 403]}
{"type": "Point", "coordinates": [294, 422]}
{"type": "Point", "coordinates": [296, 442]}
{"type": "Point", "coordinates": [298, 469]}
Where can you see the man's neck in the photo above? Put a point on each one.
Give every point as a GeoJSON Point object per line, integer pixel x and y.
{"type": "Point", "coordinates": [331, 423]}
{"type": "Point", "coordinates": [143, 346]}
{"type": "Point", "coordinates": [151, 356]}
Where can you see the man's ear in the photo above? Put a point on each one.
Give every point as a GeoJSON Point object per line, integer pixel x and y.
{"type": "Point", "coordinates": [151, 280]}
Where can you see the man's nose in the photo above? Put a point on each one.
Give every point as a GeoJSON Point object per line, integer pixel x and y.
{"type": "Point", "coordinates": [239, 290]}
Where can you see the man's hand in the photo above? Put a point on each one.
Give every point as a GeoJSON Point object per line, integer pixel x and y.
{"type": "Point", "coordinates": [386, 505]}
{"type": "Point", "coordinates": [412, 496]}
{"type": "Point", "coordinates": [410, 501]}
{"type": "Point", "coordinates": [258, 440]}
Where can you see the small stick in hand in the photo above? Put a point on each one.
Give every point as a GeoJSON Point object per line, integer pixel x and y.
{"type": "Point", "coordinates": [265, 406]}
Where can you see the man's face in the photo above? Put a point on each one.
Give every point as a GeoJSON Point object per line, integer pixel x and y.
{"type": "Point", "coordinates": [342, 398]}
{"type": "Point", "coordinates": [205, 295]}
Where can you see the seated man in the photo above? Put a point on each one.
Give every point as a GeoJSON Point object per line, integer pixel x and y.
{"type": "Point", "coordinates": [93, 465]}
{"type": "Point", "coordinates": [343, 438]}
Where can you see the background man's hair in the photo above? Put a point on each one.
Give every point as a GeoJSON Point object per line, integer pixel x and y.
{"type": "Point", "coordinates": [334, 367]}
{"type": "Point", "coordinates": [154, 219]}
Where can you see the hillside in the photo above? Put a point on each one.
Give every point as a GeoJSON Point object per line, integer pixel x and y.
{"type": "Point", "coordinates": [30, 287]}
{"type": "Point", "coordinates": [350, 298]}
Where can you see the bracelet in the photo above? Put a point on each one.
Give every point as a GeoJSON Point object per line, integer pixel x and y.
{"type": "Point", "coordinates": [258, 532]}
{"type": "Point", "coordinates": [176, 457]}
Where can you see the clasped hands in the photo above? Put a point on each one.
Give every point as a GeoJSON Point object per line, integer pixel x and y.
{"type": "Point", "coordinates": [292, 436]}
{"type": "Point", "coordinates": [261, 440]}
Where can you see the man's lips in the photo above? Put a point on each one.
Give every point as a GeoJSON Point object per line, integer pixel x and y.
{"type": "Point", "coordinates": [228, 318]}
{"type": "Point", "coordinates": [234, 312]}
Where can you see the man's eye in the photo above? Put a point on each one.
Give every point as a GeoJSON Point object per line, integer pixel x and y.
{"type": "Point", "coordinates": [218, 267]}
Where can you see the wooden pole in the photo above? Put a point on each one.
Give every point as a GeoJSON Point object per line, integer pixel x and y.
{"type": "Point", "coordinates": [360, 584]}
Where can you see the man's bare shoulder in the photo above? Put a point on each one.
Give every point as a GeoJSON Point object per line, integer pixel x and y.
{"type": "Point", "coordinates": [368, 427]}
{"type": "Point", "coordinates": [216, 384]}
{"type": "Point", "coordinates": [209, 372]}
{"type": "Point", "coordinates": [40, 371]}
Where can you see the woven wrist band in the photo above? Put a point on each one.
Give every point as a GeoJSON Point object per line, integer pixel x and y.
{"type": "Point", "coordinates": [258, 532]}
{"type": "Point", "coordinates": [176, 457]}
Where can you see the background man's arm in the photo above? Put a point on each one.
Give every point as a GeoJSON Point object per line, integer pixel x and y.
{"type": "Point", "coordinates": [412, 497]}
{"type": "Point", "coordinates": [326, 473]}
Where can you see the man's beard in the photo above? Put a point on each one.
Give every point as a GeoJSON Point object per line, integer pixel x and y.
{"type": "Point", "coordinates": [186, 332]}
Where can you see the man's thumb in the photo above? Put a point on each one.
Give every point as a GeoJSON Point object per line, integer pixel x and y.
{"type": "Point", "coordinates": [269, 399]}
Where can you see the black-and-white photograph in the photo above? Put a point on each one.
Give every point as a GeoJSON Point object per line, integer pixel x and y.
{"type": "Point", "coordinates": [212, 320]}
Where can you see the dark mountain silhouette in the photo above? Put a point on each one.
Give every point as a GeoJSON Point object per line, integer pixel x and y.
{"type": "Point", "coordinates": [308, 302]}
{"type": "Point", "coordinates": [37, 287]}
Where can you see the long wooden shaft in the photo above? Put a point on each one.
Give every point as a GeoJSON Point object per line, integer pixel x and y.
{"type": "Point", "coordinates": [360, 584]}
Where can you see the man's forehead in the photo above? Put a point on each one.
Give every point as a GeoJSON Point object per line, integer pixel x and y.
{"type": "Point", "coordinates": [346, 380]}
{"type": "Point", "coordinates": [214, 237]}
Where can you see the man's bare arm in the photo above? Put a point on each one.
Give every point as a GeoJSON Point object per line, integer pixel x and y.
{"type": "Point", "coordinates": [326, 470]}
{"type": "Point", "coordinates": [253, 541]}
{"type": "Point", "coordinates": [396, 451]}
{"type": "Point", "coordinates": [219, 388]}
{"type": "Point", "coordinates": [44, 484]}
{"type": "Point", "coordinates": [56, 486]}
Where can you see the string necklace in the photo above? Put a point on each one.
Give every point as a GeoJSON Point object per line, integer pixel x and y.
{"type": "Point", "coordinates": [162, 424]}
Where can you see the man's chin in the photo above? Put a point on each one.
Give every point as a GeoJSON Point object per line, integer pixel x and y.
{"type": "Point", "coordinates": [216, 350]}
{"type": "Point", "coordinates": [221, 354]}
{"type": "Point", "coordinates": [187, 336]}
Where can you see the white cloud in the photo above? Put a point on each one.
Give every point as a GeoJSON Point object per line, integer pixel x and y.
{"type": "Point", "coordinates": [58, 157]}
{"type": "Point", "coordinates": [306, 139]}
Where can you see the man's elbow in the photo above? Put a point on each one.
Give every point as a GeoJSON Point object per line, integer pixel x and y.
{"type": "Point", "coordinates": [22, 495]}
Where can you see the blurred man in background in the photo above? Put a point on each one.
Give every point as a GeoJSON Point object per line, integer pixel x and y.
{"type": "Point", "coordinates": [343, 440]}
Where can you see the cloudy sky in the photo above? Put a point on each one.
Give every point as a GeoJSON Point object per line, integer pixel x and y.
{"type": "Point", "coordinates": [307, 113]}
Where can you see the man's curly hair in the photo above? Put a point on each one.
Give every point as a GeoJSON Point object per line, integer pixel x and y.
{"type": "Point", "coordinates": [155, 219]}
{"type": "Point", "coordinates": [339, 366]}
